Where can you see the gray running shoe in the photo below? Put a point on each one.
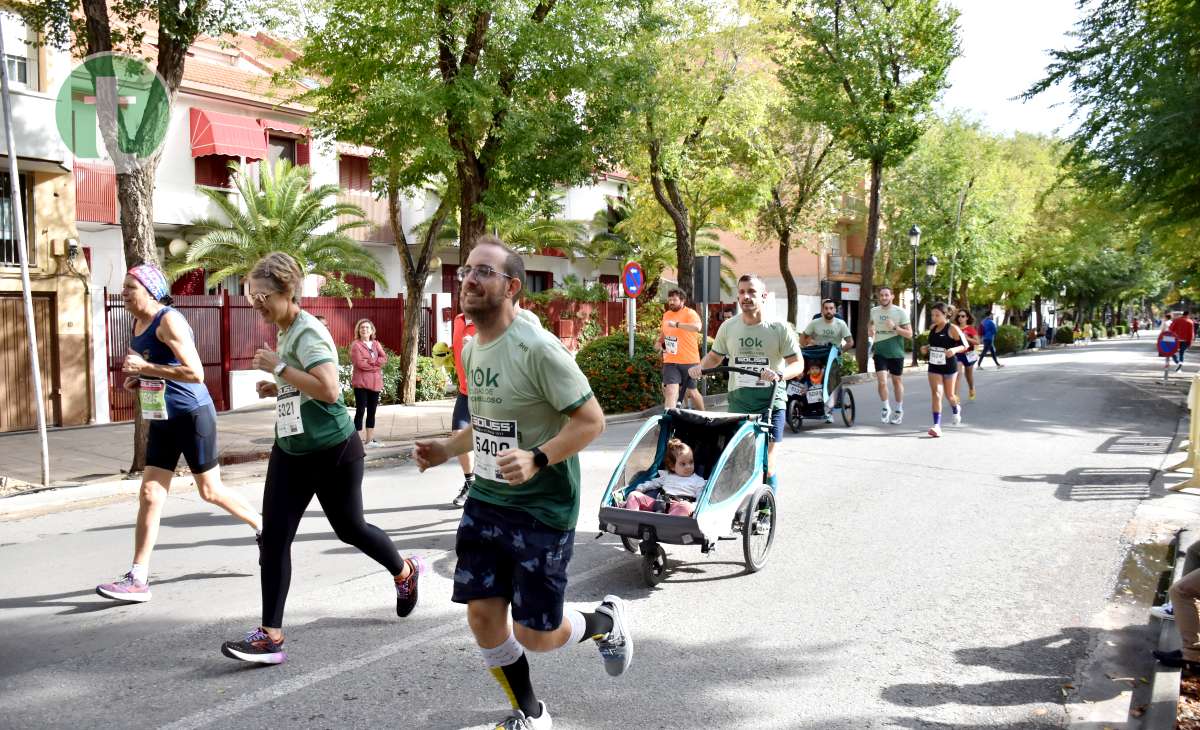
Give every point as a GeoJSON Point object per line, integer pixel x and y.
{"type": "Point", "coordinates": [616, 647]}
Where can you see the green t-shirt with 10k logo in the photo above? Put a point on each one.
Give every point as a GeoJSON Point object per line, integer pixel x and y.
{"type": "Point", "coordinates": [521, 388]}
{"type": "Point", "coordinates": [755, 347]}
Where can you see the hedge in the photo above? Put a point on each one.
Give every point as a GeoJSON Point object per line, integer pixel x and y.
{"type": "Point", "coordinates": [1009, 339]}
{"type": "Point", "coordinates": [621, 385]}
{"type": "Point", "coordinates": [1064, 336]}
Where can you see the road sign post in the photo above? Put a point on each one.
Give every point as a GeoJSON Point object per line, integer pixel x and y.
{"type": "Point", "coordinates": [633, 279]}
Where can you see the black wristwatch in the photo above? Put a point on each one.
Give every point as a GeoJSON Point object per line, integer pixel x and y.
{"type": "Point", "coordinates": [540, 460]}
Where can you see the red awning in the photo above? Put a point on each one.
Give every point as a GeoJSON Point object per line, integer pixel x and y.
{"type": "Point", "coordinates": [278, 126]}
{"type": "Point", "coordinates": [216, 133]}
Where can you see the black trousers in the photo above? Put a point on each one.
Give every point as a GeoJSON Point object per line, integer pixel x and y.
{"type": "Point", "coordinates": [335, 477]}
{"type": "Point", "coordinates": [989, 347]}
{"type": "Point", "coordinates": [365, 401]}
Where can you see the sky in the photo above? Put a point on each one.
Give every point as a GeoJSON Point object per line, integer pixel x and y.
{"type": "Point", "coordinates": [1004, 52]}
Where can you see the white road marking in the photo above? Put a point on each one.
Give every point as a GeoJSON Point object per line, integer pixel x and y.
{"type": "Point", "coordinates": [250, 701]}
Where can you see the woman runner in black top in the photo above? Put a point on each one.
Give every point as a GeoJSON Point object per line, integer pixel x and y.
{"type": "Point", "coordinates": [945, 343]}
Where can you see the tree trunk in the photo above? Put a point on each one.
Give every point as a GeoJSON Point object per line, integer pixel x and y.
{"type": "Point", "coordinates": [472, 221]}
{"type": "Point", "coordinates": [789, 281]}
{"type": "Point", "coordinates": [135, 192]}
{"type": "Point", "coordinates": [868, 267]}
{"type": "Point", "coordinates": [416, 271]}
{"type": "Point", "coordinates": [1037, 307]}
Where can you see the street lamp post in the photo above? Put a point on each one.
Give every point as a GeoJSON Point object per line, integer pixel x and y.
{"type": "Point", "coordinates": [914, 240]}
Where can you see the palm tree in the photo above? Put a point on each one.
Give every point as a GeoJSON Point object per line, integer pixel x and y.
{"type": "Point", "coordinates": [281, 213]}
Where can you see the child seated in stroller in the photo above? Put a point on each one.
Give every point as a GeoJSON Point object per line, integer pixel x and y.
{"type": "Point", "coordinates": [816, 374]}
{"type": "Point", "coordinates": [678, 485]}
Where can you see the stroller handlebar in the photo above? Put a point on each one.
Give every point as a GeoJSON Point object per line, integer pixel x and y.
{"type": "Point", "coordinates": [729, 369]}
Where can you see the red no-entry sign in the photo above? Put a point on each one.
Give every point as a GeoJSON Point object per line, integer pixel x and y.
{"type": "Point", "coordinates": [633, 279]}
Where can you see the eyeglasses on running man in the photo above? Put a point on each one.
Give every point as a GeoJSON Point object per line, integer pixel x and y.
{"type": "Point", "coordinates": [482, 272]}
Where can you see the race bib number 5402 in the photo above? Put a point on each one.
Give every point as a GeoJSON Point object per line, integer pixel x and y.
{"type": "Point", "coordinates": [491, 438]}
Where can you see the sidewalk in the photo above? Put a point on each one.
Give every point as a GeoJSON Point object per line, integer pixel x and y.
{"type": "Point", "coordinates": [102, 452]}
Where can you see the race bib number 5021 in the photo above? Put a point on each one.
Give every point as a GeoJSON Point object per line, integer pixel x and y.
{"type": "Point", "coordinates": [491, 438]}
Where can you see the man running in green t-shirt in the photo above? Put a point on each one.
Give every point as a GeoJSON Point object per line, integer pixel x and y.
{"type": "Point", "coordinates": [769, 348]}
{"type": "Point", "coordinates": [532, 412]}
{"type": "Point", "coordinates": [889, 326]}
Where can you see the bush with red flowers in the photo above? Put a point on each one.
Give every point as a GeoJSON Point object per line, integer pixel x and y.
{"type": "Point", "coordinates": [621, 385]}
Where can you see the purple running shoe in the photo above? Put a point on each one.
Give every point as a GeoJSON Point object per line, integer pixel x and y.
{"type": "Point", "coordinates": [406, 590]}
{"type": "Point", "coordinates": [256, 647]}
{"type": "Point", "coordinates": [126, 589]}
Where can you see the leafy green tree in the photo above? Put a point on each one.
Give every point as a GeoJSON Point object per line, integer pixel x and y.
{"type": "Point", "coordinates": [692, 138]}
{"type": "Point", "coordinates": [1133, 78]}
{"type": "Point", "coordinates": [89, 27]}
{"type": "Point", "coordinates": [869, 70]}
{"type": "Point", "coordinates": [281, 213]}
{"type": "Point", "coordinates": [812, 172]}
{"type": "Point", "coordinates": [501, 99]}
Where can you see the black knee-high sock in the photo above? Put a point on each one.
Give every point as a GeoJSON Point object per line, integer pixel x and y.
{"type": "Point", "coordinates": [514, 679]}
{"type": "Point", "coordinates": [510, 668]}
{"type": "Point", "coordinates": [595, 625]}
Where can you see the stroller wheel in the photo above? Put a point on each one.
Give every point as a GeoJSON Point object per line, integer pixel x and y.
{"type": "Point", "coordinates": [847, 398]}
{"type": "Point", "coordinates": [795, 415]}
{"type": "Point", "coordinates": [654, 566]}
{"type": "Point", "coordinates": [758, 529]}
{"type": "Point", "coordinates": [630, 544]}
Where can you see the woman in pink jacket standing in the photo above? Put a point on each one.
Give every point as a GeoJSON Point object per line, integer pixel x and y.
{"type": "Point", "coordinates": [368, 358]}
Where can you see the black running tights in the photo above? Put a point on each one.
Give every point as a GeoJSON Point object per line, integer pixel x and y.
{"type": "Point", "coordinates": [989, 348]}
{"type": "Point", "coordinates": [335, 477]}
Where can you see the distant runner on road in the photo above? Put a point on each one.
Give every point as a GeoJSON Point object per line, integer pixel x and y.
{"type": "Point", "coordinates": [890, 326]}
{"type": "Point", "coordinates": [828, 329]}
{"type": "Point", "coordinates": [945, 343]}
{"type": "Point", "coordinates": [463, 331]}
{"type": "Point", "coordinates": [755, 344]}
{"type": "Point", "coordinates": [679, 342]}
{"type": "Point", "coordinates": [163, 369]}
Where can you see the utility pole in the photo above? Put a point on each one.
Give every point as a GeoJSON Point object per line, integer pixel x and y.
{"type": "Point", "coordinates": [18, 219]}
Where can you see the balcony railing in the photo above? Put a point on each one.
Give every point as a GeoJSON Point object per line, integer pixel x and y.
{"type": "Point", "coordinates": [95, 192]}
{"type": "Point", "coordinates": [845, 265]}
{"type": "Point", "coordinates": [376, 212]}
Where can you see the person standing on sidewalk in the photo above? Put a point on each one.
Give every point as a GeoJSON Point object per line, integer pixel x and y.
{"type": "Point", "coordinates": [987, 335]}
{"type": "Point", "coordinates": [367, 357]}
{"type": "Point", "coordinates": [1135, 325]}
{"type": "Point", "coordinates": [679, 342]}
{"type": "Point", "coordinates": [770, 348]}
{"type": "Point", "coordinates": [532, 412]}
{"type": "Point", "coordinates": [316, 452]}
{"type": "Point", "coordinates": [890, 326]}
{"type": "Point", "coordinates": [164, 370]}
{"type": "Point", "coordinates": [462, 332]}
{"type": "Point", "coordinates": [945, 343]}
{"type": "Point", "coordinates": [1185, 330]}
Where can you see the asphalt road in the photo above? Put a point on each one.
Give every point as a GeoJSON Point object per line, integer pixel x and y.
{"type": "Point", "coordinates": [966, 582]}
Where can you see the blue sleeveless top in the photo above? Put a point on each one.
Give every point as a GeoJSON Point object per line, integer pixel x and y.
{"type": "Point", "coordinates": [181, 397]}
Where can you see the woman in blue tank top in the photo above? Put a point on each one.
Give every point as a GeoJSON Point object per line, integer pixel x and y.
{"type": "Point", "coordinates": [163, 368]}
{"type": "Point", "coordinates": [945, 344]}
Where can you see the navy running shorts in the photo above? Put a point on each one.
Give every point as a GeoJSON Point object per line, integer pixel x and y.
{"type": "Point", "coordinates": [192, 435]}
{"type": "Point", "coordinates": [507, 553]}
{"type": "Point", "coordinates": [461, 418]}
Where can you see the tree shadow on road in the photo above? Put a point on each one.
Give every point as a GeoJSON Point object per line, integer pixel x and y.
{"type": "Point", "coordinates": [96, 602]}
{"type": "Point", "coordinates": [1089, 484]}
{"type": "Point", "coordinates": [1053, 659]}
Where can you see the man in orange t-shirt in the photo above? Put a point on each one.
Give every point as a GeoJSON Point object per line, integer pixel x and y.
{"type": "Point", "coordinates": [461, 333]}
{"type": "Point", "coordinates": [679, 342]}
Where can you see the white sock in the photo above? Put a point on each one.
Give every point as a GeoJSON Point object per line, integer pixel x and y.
{"type": "Point", "coordinates": [503, 655]}
{"type": "Point", "coordinates": [141, 573]}
{"type": "Point", "coordinates": [578, 625]}
{"type": "Point", "coordinates": [899, 406]}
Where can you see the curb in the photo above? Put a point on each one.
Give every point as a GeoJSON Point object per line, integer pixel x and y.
{"type": "Point", "coordinates": [1164, 685]}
